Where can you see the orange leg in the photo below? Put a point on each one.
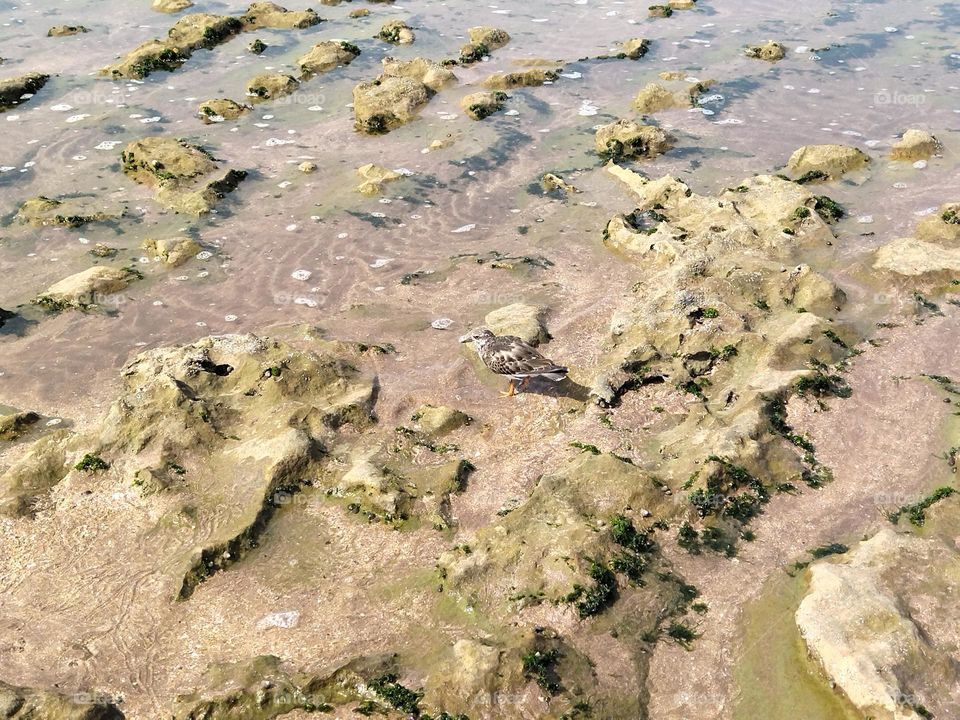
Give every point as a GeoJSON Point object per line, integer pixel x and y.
{"type": "Point", "coordinates": [511, 392]}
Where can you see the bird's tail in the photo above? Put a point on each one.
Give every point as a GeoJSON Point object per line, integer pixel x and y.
{"type": "Point", "coordinates": [557, 375]}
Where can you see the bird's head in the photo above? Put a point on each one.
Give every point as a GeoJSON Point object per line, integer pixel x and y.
{"type": "Point", "coordinates": [479, 336]}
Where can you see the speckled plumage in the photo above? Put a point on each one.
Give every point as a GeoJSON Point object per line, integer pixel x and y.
{"type": "Point", "coordinates": [509, 355]}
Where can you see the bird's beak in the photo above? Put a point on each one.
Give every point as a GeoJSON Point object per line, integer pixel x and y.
{"type": "Point", "coordinates": [466, 338]}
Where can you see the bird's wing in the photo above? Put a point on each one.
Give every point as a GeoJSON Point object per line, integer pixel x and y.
{"type": "Point", "coordinates": [509, 355]}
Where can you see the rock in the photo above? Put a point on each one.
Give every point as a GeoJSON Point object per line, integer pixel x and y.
{"type": "Point", "coordinates": [186, 177]}
{"type": "Point", "coordinates": [374, 177]}
{"type": "Point", "coordinates": [654, 97]}
{"type": "Point", "coordinates": [438, 421]}
{"type": "Point", "coordinates": [22, 703]}
{"type": "Point", "coordinates": [881, 622]}
{"type": "Point", "coordinates": [102, 250]}
{"type": "Point", "coordinates": [89, 288]}
{"type": "Point", "coordinates": [942, 226]}
{"type": "Point", "coordinates": [271, 86]}
{"type": "Point", "coordinates": [915, 145]}
{"type": "Point", "coordinates": [69, 212]}
{"type": "Point", "coordinates": [270, 15]}
{"type": "Point", "coordinates": [171, 6]}
{"type": "Point", "coordinates": [19, 89]}
{"type": "Point", "coordinates": [911, 257]}
{"type": "Point", "coordinates": [554, 183]}
{"type": "Point", "coordinates": [6, 315]}
{"type": "Point", "coordinates": [660, 11]}
{"type": "Point", "coordinates": [32, 475]}
{"type": "Point", "coordinates": [480, 105]}
{"type": "Point", "coordinates": [387, 103]}
{"type": "Point", "coordinates": [828, 161]}
{"type": "Point", "coordinates": [635, 48]}
{"type": "Point", "coordinates": [328, 55]}
{"type": "Point", "coordinates": [14, 425]}
{"type": "Point", "coordinates": [307, 167]}
{"type": "Point", "coordinates": [396, 32]}
{"type": "Point", "coordinates": [221, 109]}
{"type": "Point", "coordinates": [172, 251]}
{"type": "Point", "coordinates": [527, 78]}
{"type": "Point", "coordinates": [770, 51]}
{"type": "Point", "coordinates": [523, 321]}
{"type": "Point", "coordinates": [358, 13]}
{"type": "Point", "coordinates": [257, 47]}
{"type": "Point", "coordinates": [431, 74]}
{"type": "Point", "coordinates": [683, 4]}
{"type": "Point", "coordinates": [628, 139]}
{"type": "Point", "coordinates": [483, 40]}
{"type": "Point", "coordinates": [64, 30]}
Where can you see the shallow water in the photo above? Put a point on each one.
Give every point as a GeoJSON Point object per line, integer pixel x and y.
{"type": "Point", "coordinates": [383, 269]}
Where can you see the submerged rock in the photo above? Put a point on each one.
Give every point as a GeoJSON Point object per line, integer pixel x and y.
{"type": "Point", "coordinates": [186, 177]}
{"type": "Point", "coordinates": [172, 251]}
{"type": "Point", "coordinates": [915, 145]}
{"type": "Point", "coordinates": [433, 75]}
{"type": "Point", "coordinates": [374, 177]}
{"type": "Point", "coordinates": [15, 91]}
{"type": "Point", "coordinates": [386, 103]}
{"type": "Point", "coordinates": [628, 139]}
{"type": "Point", "coordinates": [257, 47]}
{"type": "Point", "coordinates": [69, 212]}
{"type": "Point", "coordinates": [826, 161]}
{"type": "Point", "coordinates": [271, 86]}
{"type": "Point", "coordinates": [882, 622]}
{"type": "Point", "coordinates": [328, 55]}
{"type": "Point", "coordinates": [554, 183]}
{"type": "Point", "coordinates": [527, 78]}
{"type": "Point", "coordinates": [915, 258]}
{"type": "Point", "coordinates": [483, 40]}
{"type": "Point", "coordinates": [654, 97]}
{"type": "Point", "coordinates": [396, 32]}
{"type": "Point", "coordinates": [221, 109]}
{"type": "Point", "coordinates": [171, 6]}
{"type": "Point", "coordinates": [65, 30]}
{"type": "Point", "coordinates": [87, 289]}
{"type": "Point", "coordinates": [770, 51]}
{"type": "Point", "coordinates": [635, 48]}
{"type": "Point", "coordinates": [438, 421]}
{"type": "Point", "coordinates": [480, 105]}
{"type": "Point", "coordinates": [270, 15]}
{"type": "Point", "coordinates": [523, 321]}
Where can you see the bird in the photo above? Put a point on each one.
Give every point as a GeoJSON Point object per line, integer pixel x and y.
{"type": "Point", "coordinates": [509, 355]}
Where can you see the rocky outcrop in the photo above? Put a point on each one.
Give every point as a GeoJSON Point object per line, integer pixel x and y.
{"type": "Point", "coordinates": [528, 78]}
{"type": "Point", "coordinates": [628, 139]}
{"type": "Point", "coordinates": [270, 15]}
{"type": "Point", "coordinates": [387, 103]}
{"type": "Point", "coordinates": [915, 145]}
{"type": "Point", "coordinates": [173, 251]}
{"type": "Point", "coordinates": [271, 86]}
{"type": "Point", "coordinates": [483, 40]}
{"type": "Point", "coordinates": [20, 89]}
{"type": "Point", "coordinates": [88, 289]}
{"type": "Point", "coordinates": [221, 109]}
{"type": "Point", "coordinates": [433, 75]}
{"type": "Point", "coordinates": [635, 48]}
{"type": "Point", "coordinates": [480, 105]}
{"type": "Point", "coordinates": [523, 321]}
{"type": "Point", "coordinates": [22, 703]}
{"type": "Point", "coordinates": [882, 623]}
{"type": "Point", "coordinates": [328, 55]}
{"type": "Point", "coordinates": [821, 162]}
{"type": "Point", "coordinates": [770, 51]}
{"type": "Point", "coordinates": [186, 177]}
{"type": "Point", "coordinates": [67, 212]}
{"type": "Point", "coordinates": [396, 32]}
{"type": "Point", "coordinates": [655, 97]}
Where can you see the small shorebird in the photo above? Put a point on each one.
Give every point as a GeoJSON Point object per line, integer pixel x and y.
{"type": "Point", "coordinates": [509, 355]}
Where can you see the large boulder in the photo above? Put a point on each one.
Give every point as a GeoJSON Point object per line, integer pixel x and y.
{"type": "Point", "coordinates": [328, 55]}
{"type": "Point", "coordinates": [89, 288]}
{"type": "Point", "coordinates": [385, 104]}
{"type": "Point", "coordinates": [628, 139]}
{"type": "Point", "coordinates": [826, 161]}
{"type": "Point", "coordinates": [523, 321]}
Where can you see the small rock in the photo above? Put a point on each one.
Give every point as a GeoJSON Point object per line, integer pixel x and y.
{"type": "Point", "coordinates": [769, 51]}
{"type": "Point", "coordinates": [523, 321]}
{"type": "Point", "coordinates": [64, 30]}
{"type": "Point", "coordinates": [915, 145]}
{"type": "Point", "coordinates": [172, 251]}
{"type": "Point", "coordinates": [396, 32]}
{"type": "Point", "coordinates": [307, 167]}
{"type": "Point", "coordinates": [480, 105]}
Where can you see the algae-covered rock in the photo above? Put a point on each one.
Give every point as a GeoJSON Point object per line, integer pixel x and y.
{"type": "Point", "coordinates": [172, 251]}
{"type": "Point", "coordinates": [22, 703]}
{"type": "Point", "coordinates": [635, 48]}
{"type": "Point", "coordinates": [270, 15]}
{"type": "Point", "coordinates": [480, 105]}
{"type": "Point", "coordinates": [396, 32]}
{"type": "Point", "coordinates": [171, 6]}
{"type": "Point", "coordinates": [90, 288]}
{"type": "Point", "coordinates": [13, 425]}
{"type": "Point", "coordinates": [943, 226]}
{"type": "Point", "coordinates": [915, 145]}
{"type": "Point", "coordinates": [660, 11]}
{"type": "Point", "coordinates": [387, 103]}
{"type": "Point", "coordinates": [358, 13]}
{"type": "Point", "coordinates": [374, 177]}
{"type": "Point", "coordinates": [881, 621]}
{"type": "Point", "coordinates": [221, 109]}
{"type": "Point", "coordinates": [327, 55]}
{"type": "Point", "coordinates": [437, 421]}
{"type": "Point", "coordinates": [20, 89]}
{"type": "Point", "coordinates": [826, 161]}
{"type": "Point", "coordinates": [770, 51]}
{"type": "Point", "coordinates": [65, 30]}
{"type": "Point", "coordinates": [32, 475]}
{"type": "Point", "coordinates": [431, 74]}
{"type": "Point", "coordinates": [912, 257]}
{"type": "Point", "coordinates": [271, 86]}
{"type": "Point", "coordinates": [257, 47]}
{"type": "Point", "coordinates": [551, 182]}
{"type": "Point", "coordinates": [523, 321]}
{"type": "Point", "coordinates": [67, 212]}
{"type": "Point", "coordinates": [483, 40]}
{"type": "Point", "coordinates": [627, 139]}
{"type": "Point", "coordinates": [186, 177]}
{"type": "Point", "coordinates": [527, 78]}
{"type": "Point", "coordinates": [654, 97]}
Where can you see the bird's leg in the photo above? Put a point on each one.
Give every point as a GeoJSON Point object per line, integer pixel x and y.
{"type": "Point", "coordinates": [511, 392]}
